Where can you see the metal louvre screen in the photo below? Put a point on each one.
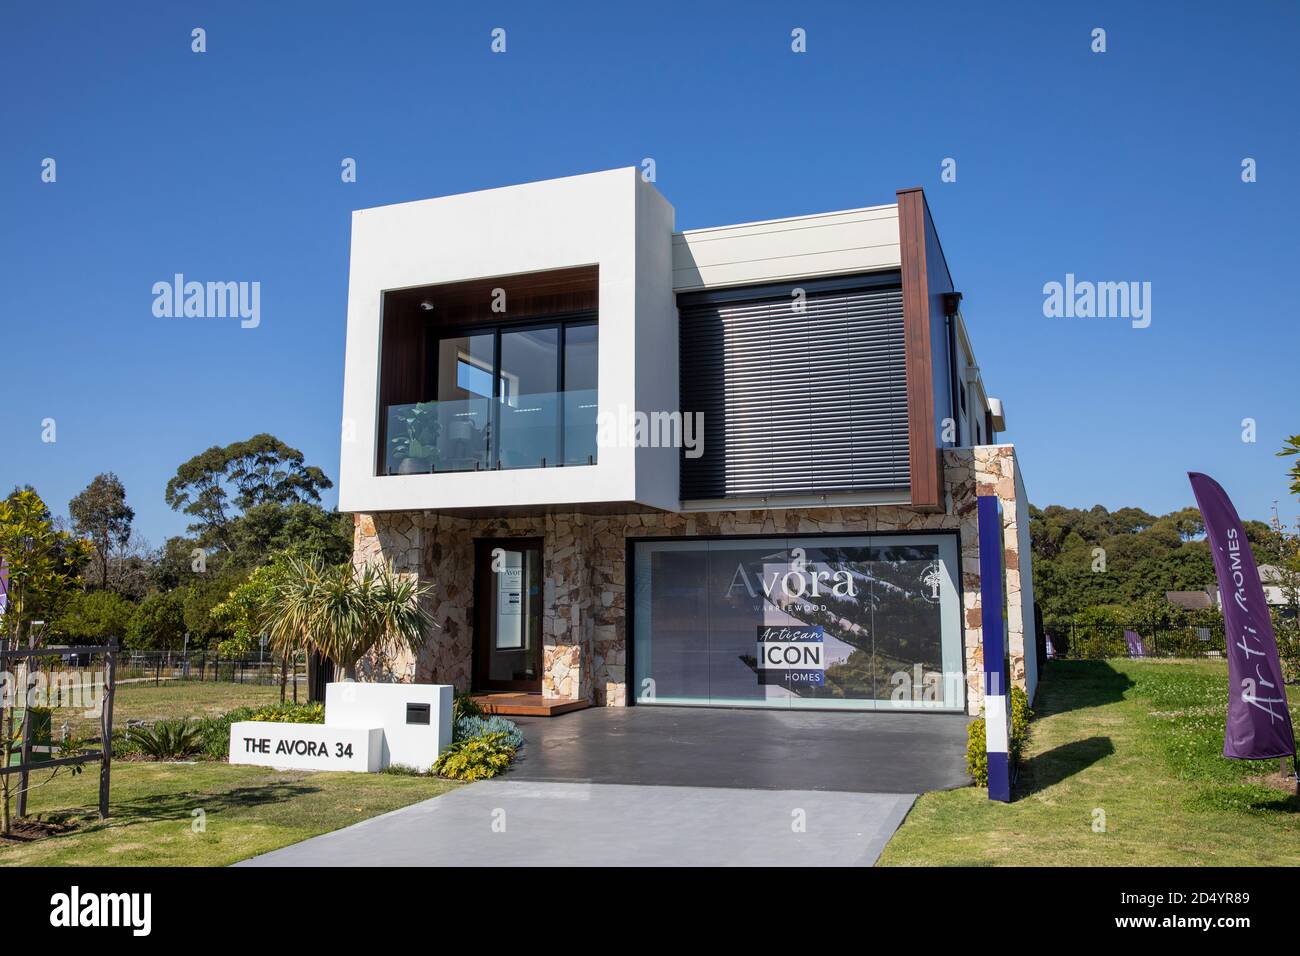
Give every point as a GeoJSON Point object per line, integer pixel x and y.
{"type": "Point", "coordinates": [796, 403]}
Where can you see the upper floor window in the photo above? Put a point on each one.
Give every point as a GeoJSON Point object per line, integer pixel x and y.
{"type": "Point", "coordinates": [498, 388]}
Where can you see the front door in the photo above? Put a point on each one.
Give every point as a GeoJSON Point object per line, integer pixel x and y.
{"type": "Point", "coordinates": [508, 615]}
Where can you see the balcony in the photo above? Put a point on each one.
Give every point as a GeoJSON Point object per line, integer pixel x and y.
{"type": "Point", "coordinates": [542, 430]}
{"type": "Point", "coordinates": [501, 315]}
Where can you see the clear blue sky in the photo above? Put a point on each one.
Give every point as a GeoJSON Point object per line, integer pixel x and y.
{"type": "Point", "coordinates": [225, 165]}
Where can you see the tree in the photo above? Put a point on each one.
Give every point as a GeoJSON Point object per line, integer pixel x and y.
{"type": "Point", "coordinates": [42, 567]}
{"type": "Point", "coordinates": [1094, 557]}
{"type": "Point", "coordinates": [1189, 568]}
{"type": "Point", "coordinates": [133, 571]}
{"type": "Point", "coordinates": [306, 528]}
{"type": "Point", "coordinates": [344, 614]}
{"type": "Point", "coordinates": [101, 514]}
{"type": "Point", "coordinates": [1292, 447]}
{"type": "Point", "coordinates": [245, 611]}
{"type": "Point", "coordinates": [176, 563]}
{"type": "Point", "coordinates": [94, 617]}
{"type": "Point", "coordinates": [43, 564]}
{"type": "Point", "coordinates": [200, 597]}
{"type": "Point", "coordinates": [217, 486]}
{"type": "Point", "coordinates": [158, 623]}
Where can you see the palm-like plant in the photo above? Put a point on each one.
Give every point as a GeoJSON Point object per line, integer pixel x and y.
{"type": "Point", "coordinates": [344, 614]}
{"type": "Point", "coordinates": [167, 739]}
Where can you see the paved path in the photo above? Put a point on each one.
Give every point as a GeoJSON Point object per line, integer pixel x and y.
{"type": "Point", "coordinates": [522, 823]}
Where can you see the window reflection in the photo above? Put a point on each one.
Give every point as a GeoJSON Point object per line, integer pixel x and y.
{"type": "Point", "coordinates": [855, 623]}
{"type": "Point", "coordinates": [521, 397]}
{"type": "Point", "coordinates": [529, 410]}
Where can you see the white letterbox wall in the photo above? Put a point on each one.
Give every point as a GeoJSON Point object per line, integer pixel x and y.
{"type": "Point", "coordinates": [354, 704]}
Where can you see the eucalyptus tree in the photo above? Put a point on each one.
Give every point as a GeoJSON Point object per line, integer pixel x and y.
{"type": "Point", "coordinates": [100, 513]}
{"type": "Point", "coordinates": [219, 487]}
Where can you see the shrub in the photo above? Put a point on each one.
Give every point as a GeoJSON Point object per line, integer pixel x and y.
{"type": "Point", "coordinates": [476, 758]}
{"type": "Point", "coordinates": [977, 760]}
{"type": "Point", "coordinates": [464, 705]}
{"type": "Point", "coordinates": [467, 727]}
{"type": "Point", "coordinates": [291, 714]}
{"type": "Point", "coordinates": [403, 770]}
{"type": "Point", "coordinates": [216, 732]}
{"type": "Point", "coordinates": [123, 746]}
{"type": "Point", "coordinates": [1020, 717]}
{"type": "Point", "coordinates": [166, 740]}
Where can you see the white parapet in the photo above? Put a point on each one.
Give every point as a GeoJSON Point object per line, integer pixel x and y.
{"type": "Point", "coordinates": [416, 718]}
{"type": "Point", "coordinates": [306, 746]}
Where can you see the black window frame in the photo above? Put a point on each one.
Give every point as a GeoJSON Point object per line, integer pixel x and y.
{"type": "Point", "coordinates": [561, 321]}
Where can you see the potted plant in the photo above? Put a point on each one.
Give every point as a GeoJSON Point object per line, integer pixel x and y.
{"type": "Point", "coordinates": [414, 448]}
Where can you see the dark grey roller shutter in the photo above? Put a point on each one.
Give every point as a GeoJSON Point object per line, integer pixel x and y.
{"type": "Point", "coordinates": [810, 402]}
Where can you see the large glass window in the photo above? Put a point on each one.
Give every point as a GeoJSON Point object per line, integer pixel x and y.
{"type": "Point", "coordinates": [509, 397]}
{"type": "Point", "coordinates": [464, 407]}
{"type": "Point", "coordinates": [843, 622]}
{"type": "Point", "coordinates": [529, 408]}
{"type": "Point", "coordinates": [453, 432]}
{"type": "Point", "coordinates": [581, 359]}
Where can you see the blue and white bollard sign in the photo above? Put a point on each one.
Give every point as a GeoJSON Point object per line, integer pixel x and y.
{"type": "Point", "coordinates": [995, 648]}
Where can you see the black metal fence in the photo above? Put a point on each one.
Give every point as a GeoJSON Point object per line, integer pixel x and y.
{"type": "Point", "coordinates": [1069, 640]}
{"type": "Point", "coordinates": [161, 666]}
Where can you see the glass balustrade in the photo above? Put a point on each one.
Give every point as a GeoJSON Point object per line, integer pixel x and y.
{"type": "Point", "coordinates": [542, 430]}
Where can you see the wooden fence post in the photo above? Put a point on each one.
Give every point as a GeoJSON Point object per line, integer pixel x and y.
{"type": "Point", "coordinates": [24, 778]}
{"type": "Point", "coordinates": [106, 729]}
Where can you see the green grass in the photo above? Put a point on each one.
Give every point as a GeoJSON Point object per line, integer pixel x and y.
{"type": "Point", "coordinates": [245, 811]}
{"type": "Point", "coordinates": [171, 700]}
{"type": "Point", "coordinates": [1136, 745]}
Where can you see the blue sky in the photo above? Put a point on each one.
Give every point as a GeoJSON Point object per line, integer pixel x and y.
{"type": "Point", "coordinates": [225, 165]}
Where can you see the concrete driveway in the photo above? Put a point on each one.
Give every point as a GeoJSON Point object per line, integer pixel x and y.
{"type": "Point", "coordinates": [654, 786]}
{"type": "Point", "coordinates": [747, 749]}
{"type": "Point", "coordinates": [515, 823]}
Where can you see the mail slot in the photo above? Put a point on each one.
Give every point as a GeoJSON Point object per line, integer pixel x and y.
{"type": "Point", "coordinates": [417, 713]}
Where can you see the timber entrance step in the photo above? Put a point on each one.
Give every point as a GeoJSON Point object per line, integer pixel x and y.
{"type": "Point", "coordinates": [509, 703]}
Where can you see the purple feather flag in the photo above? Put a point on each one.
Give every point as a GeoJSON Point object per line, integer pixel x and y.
{"type": "Point", "coordinates": [1259, 723]}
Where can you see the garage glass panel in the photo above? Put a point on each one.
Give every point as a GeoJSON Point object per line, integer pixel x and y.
{"type": "Point", "coordinates": [863, 623]}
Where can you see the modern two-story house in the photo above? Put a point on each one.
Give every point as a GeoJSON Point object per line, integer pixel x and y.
{"type": "Point", "coordinates": [735, 466]}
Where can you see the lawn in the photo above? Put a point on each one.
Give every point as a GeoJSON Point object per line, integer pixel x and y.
{"type": "Point", "coordinates": [1124, 768]}
{"type": "Point", "coordinates": [157, 809]}
{"type": "Point", "coordinates": [170, 700]}
{"type": "Point", "coordinates": [154, 806]}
